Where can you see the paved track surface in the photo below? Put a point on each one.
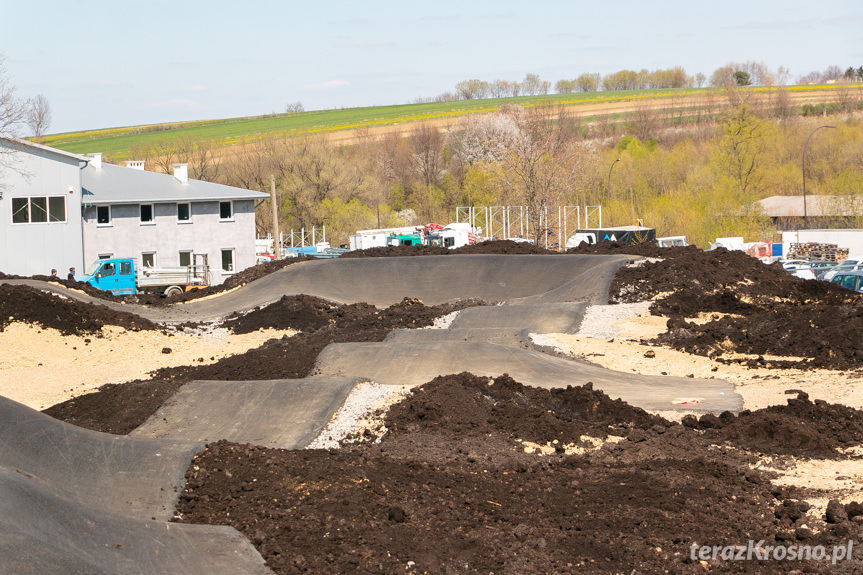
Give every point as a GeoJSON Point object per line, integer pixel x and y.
{"type": "Point", "coordinates": [414, 363]}
{"type": "Point", "coordinates": [286, 413]}
{"type": "Point", "coordinates": [78, 501]}
{"type": "Point", "coordinates": [385, 281]}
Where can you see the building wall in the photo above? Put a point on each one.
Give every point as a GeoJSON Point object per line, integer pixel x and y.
{"type": "Point", "coordinates": [166, 236]}
{"type": "Point", "coordinates": [35, 248]}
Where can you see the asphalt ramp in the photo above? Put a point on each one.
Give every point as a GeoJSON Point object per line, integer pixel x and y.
{"type": "Point", "coordinates": [135, 477]}
{"type": "Point", "coordinates": [285, 413]}
{"type": "Point", "coordinates": [558, 317]}
{"type": "Point", "coordinates": [74, 501]}
{"type": "Point", "coordinates": [441, 279]}
{"type": "Point", "coordinates": [417, 362]}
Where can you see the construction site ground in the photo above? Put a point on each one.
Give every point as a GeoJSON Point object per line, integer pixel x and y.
{"type": "Point", "coordinates": [158, 446]}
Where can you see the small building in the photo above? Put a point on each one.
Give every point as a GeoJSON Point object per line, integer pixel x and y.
{"type": "Point", "coordinates": [67, 210]}
{"type": "Point", "coordinates": [818, 211]}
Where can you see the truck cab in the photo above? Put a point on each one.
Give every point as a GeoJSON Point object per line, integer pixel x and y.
{"type": "Point", "coordinates": [114, 275]}
{"type": "Point", "coordinates": [404, 240]}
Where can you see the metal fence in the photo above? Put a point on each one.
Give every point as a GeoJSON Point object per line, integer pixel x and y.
{"type": "Point", "coordinates": [550, 226]}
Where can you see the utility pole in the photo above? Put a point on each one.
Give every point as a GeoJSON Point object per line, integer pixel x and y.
{"type": "Point", "coordinates": [277, 243]}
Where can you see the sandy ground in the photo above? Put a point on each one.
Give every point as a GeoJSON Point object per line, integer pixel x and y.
{"type": "Point", "coordinates": [40, 367]}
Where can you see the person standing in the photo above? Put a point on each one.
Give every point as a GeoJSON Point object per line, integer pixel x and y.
{"type": "Point", "coordinates": [53, 273]}
{"type": "Point", "coordinates": [71, 276]}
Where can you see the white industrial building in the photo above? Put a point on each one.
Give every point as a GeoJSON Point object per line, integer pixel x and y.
{"type": "Point", "coordinates": [60, 210]}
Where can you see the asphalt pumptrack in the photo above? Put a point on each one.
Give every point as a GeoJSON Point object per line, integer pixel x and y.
{"type": "Point", "coordinates": [78, 501]}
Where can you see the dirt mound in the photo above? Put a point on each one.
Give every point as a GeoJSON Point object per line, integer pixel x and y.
{"type": "Point", "coordinates": [300, 312]}
{"type": "Point", "coordinates": [465, 405]}
{"type": "Point", "coordinates": [801, 427]}
{"type": "Point", "coordinates": [24, 304]}
{"type": "Point", "coordinates": [486, 247]}
{"type": "Point", "coordinates": [772, 312]}
{"type": "Point", "coordinates": [504, 247]}
{"type": "Point", "coordinates": [647, 250]}
{"type": "Point", "coordinates": [448, 488]}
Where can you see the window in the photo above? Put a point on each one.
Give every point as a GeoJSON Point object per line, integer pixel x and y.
{"type": "Point", "coordinates": [125, 268]}
{"type": "Point", "coordinates": [448, 242]}
{"type": "Point", "coordinates": [103, 215]}
{"type": "Point", "coordinates": [105, 271]}
{"type": "Point", "coordinates": [185, 259]}
{"type": "Point", "coordinates": [57, 209]}
{"type": "Point", "coordinates": [227, 260]}
{"type": "Point", "coordinates": [38, 210]}
{"type": "Point", "coordinates": [148, 259]}
{"type": "Point", "coordinates": [146, 213]}
{"type": "Point", "coordinates": [184, 212]}
{"type": "Point", "coordinates": [105, 256]}
{"type": "Point", "coordinates": [226, 210]}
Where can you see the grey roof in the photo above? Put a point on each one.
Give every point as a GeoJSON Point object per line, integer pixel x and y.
{"type": "Point", "coordinates": [816, 206]}
{"type": "Point", "coordinates": [22, 145]}
{"type": "Point", "coordinates": [121, 185]}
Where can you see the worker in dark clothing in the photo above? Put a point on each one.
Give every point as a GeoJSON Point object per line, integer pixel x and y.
{"type": "Point", "coordinates": [71, 276]}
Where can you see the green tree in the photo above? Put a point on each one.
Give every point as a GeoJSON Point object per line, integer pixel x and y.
{"type": "Point", "coordinates": [742, 78]}
{"type": "Point", "coordinates": [742, 147]}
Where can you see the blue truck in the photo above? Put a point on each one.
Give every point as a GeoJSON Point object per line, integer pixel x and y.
{"type": "Point", "coordinates": [123, 276]}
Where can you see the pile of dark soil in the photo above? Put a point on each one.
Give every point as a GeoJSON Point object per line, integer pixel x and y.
{"type": "Point", "coordinates": [647, 250]}
{"type": "Point", "coordinates": [771, 311]}
{"type": "Point", "coordinates": [120, 408]}
{"type": "Point", "coordinates": [451, 488]}
{"type": "Point", "coordinates": [486, 247]}
{"type": "Point", "coordinates": [69, 317]}
{"type": "Point", "coordinates": [801, 427]}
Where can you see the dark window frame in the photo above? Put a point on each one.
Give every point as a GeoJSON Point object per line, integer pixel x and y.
{"type": "Point", "coordinates": [152, 210]}
{"type": "Point", "coordinates": [39, 210]}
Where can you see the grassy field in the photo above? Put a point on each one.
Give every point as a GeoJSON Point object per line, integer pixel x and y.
{"type": "Point", "coordinates": [116, 142]}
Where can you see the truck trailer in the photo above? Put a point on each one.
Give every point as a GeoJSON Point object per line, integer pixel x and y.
{"type": "Point", "coordinates": [123, 276]}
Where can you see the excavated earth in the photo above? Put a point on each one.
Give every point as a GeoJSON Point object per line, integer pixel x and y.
{"type": "Point", "coordinates": [478, 475]}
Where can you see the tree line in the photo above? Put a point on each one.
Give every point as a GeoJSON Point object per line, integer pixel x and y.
{"type": "Point", "coordinates": [734, 73]}
{"type": "Point", "coordinates": [694, 170]}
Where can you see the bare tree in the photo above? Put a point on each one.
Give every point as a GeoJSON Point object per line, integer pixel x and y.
{"type": "Point", "coordinates": [427, 144]}
{"type": "Point", "coordinates": [38, 116]}
{"type": "Point", "coordinates": [472, 89]}
{"type": "Point", "coordinates": [588, 82]}
{"type": "Point", "coordinates": [531, 85]}
{"type": "Point", "coordinates": [11, 115]}
{"type": "Point", "coordinates": [540, 165]}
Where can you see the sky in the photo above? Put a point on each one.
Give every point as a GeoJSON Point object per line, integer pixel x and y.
{"type": "Point", "coordinates": [104, 63]}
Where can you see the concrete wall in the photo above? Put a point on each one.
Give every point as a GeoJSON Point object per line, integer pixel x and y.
{"type": "Point", "coordinates": [166, 237]}
{"type": "Point", "coordinates": [34, 248]}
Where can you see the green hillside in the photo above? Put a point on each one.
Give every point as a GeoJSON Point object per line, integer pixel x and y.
{"type": "Point", "coordinates": [115, 142]}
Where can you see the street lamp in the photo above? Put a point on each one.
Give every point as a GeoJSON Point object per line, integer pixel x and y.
{"type": "Point", "coordinates": [609, 175]}
{"type": "Point", "coordinates": [805, 218]}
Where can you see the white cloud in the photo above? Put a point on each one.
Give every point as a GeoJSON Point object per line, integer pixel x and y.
{"type": "Point", "coordinates": [326, 85]}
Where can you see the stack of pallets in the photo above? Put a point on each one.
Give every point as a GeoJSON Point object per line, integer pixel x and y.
{"type": "Point", "coordinates": [814, 251]}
